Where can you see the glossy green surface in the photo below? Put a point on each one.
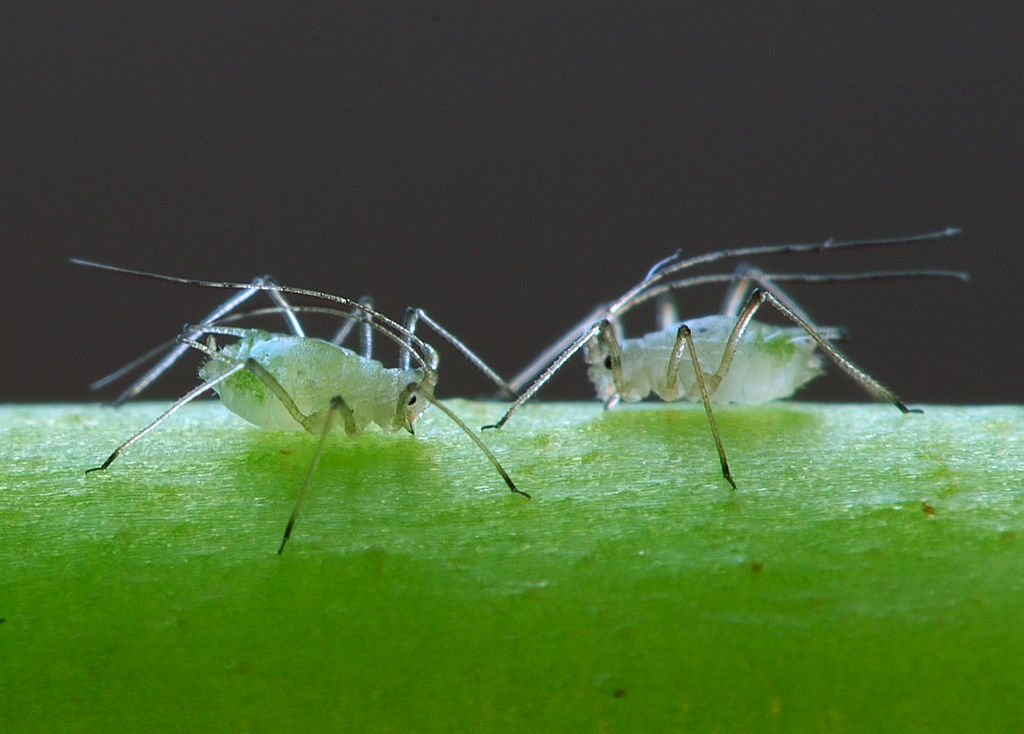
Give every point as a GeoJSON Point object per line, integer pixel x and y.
{"type": "Point", "coordinates": [868, 574]}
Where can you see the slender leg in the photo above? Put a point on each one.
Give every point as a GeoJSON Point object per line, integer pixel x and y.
{"type": "Point", "coordinates": [684, 340]}
{"type": "Point", "coordinates": [742, 321]}
{"type": "Point", "coordinates": [684, 332]}
{"type": "Point", "coordinates": [666, 311]}
{"type": "Point", "coordinates": [820, 337]}
{"type": "Point", "coordinates": [413, 315]}
{"type": "Point", "coordinates": [258, 284]}
{"type": "Point", "coordinates": [561, 350]}
{"type": "Point", "coordinates": [366, 327]}
{"type": "Point", "coordinates": [476, 439]}
{"type": "Point", "coordinates": [745, 279]}
{"type": "Point", "coordinates": [286, 400]}
{"type": "Point", "coordinates": [277, 298]}
{"type": "Point", "coordinates": [574, 346]}
{"type": "Point", "coordinates": [337, 408]}
{"type": "Point", "coordinates": [185, 399]}
{"type": "Point", "coordinates": [672, 374]}
{"type": "Point", "coordinates": [869, 383]}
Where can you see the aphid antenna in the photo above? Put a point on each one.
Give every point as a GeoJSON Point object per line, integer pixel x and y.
{"type": "Point", "coordinates": [673, 264]}
{"type": "Point", "coordinates": [427, 361]}
{"type": "Point", "coordinates": [370, 318]}
{"type": "Point", "coordinates": [212, 319]}
{"type": "Point", "coordinates": [380, 319]}
{"type": "Point", "coordinates": [790, 249]}
{"type": "Point", "coordinates": [660, 289]}
{"type": "Point", "coordinates": [126, 369]}
{"type": "Point", "coordinates": [663, 263]}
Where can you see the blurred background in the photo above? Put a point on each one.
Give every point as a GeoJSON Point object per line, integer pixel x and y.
{"type": "Point", "coordinates": [507, 166]}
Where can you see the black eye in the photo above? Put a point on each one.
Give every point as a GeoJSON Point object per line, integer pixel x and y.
{"type": "Point", "coordinates": [608, 362]}
{"type": "Point", "coordinates": [412, 400]}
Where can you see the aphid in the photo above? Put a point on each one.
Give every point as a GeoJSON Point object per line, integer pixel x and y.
{"type": "Point", "coordinates": [293, 381]}
{"type": "Point", "coordinates": [727, 357]}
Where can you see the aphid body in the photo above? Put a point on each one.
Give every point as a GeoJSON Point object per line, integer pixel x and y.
{"type": "Point", "coordinates": [312, 371]}
{"type": "Point", "coordinates": [770, 363]}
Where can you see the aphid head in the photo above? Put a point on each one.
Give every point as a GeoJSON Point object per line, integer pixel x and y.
{"type": "Point", "coordinates": [412, 403]}
{"type": "Point", "coordinates": [599, 367]}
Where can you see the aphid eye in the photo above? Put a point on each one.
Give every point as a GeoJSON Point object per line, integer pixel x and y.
{"type": "Point", "coordinates": [412, 400]}
{"type": "Point", "coordinates": [608, 362]}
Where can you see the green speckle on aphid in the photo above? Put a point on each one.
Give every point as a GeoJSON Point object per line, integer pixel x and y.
{"type": "Point", "coordinates": [780, 345]}
{"type": "Point", "coordinates": [248, 384]}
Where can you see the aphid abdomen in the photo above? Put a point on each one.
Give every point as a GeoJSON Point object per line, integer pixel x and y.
{"type": "Point", "coordinates": [770, 362]}
{"type": "Point", "coordinates": [312, 371]}
{"type": "Point", "coordinates": [758, 376]}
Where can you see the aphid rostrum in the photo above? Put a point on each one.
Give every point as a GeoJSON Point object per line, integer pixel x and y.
{"type": "Point", "coordinates": [726, 357]}
{"type": "Point", "coordinates": [294, 381]}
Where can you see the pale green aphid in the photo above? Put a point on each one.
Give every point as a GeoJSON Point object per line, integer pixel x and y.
{"type": "Point", "coordinates": [769, 363]}
{"type": "Point", "coordinates": [294, 381]}
{"type": "Point", "coordinates": [299, 365]}
{"type": "Point", "coordinates": [726, 358]}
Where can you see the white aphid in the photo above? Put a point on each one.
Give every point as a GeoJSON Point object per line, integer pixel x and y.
{"type": "Point", "coordinates": [294, 381]}
{"type": "Point", "coordinates": [770, 363]}
{"type": "Point", "coordinates": [725, 358]}
{"type": "Point", "coordinates": [300, 365]}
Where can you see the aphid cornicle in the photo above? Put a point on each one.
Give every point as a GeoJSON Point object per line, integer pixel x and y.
{"type": "Point", "coordinates": [726, 357]}
{"type": "Point", "coordinates": [294, 381]}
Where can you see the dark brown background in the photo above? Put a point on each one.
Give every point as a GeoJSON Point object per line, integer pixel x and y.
{"type": "Point", "coordinates": [507, 166]}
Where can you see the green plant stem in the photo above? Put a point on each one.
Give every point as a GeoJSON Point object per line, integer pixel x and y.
{"type": "Point", "coordinates": [866, 575]}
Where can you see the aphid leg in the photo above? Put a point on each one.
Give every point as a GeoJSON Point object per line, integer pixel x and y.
{"type": "Point", "coordinates": [869, 383]}
{"type": "Point", "coordinates": [307, 422]}
{"type": "Point", "coordinates": [476, 439]}
{"type": "Point", "coordinates": [414, 315]}
{"type": "Point", "coordinates": [742, 320]}
{"type": "Point", "coordinates": [338, 407]}
{"type": "Point", "coordinates": [557, 349]}
{"type": "Point", "coordinates": [187, 398]}
{"type": "Point", "coordinates": [665, 311]}
{"type": "Point", "coordinates": [687, 337]}
{"type": "Point", "coordinates": [365, 325]}
{"type": "Point", "coordinates": [303, 420]}
{"type": "Point", "coordinates": [684, 340]}
{"type": "Point", "coordinates": [256, 285]}
{"type": "Point", "coordinates": [266, 284]}
{"type": "Point", "coordinates": [745, 279]}
{"type": "Point", "coordinates": [574, 346]}
{"type": "Point", "coordinates": [671, 391]}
